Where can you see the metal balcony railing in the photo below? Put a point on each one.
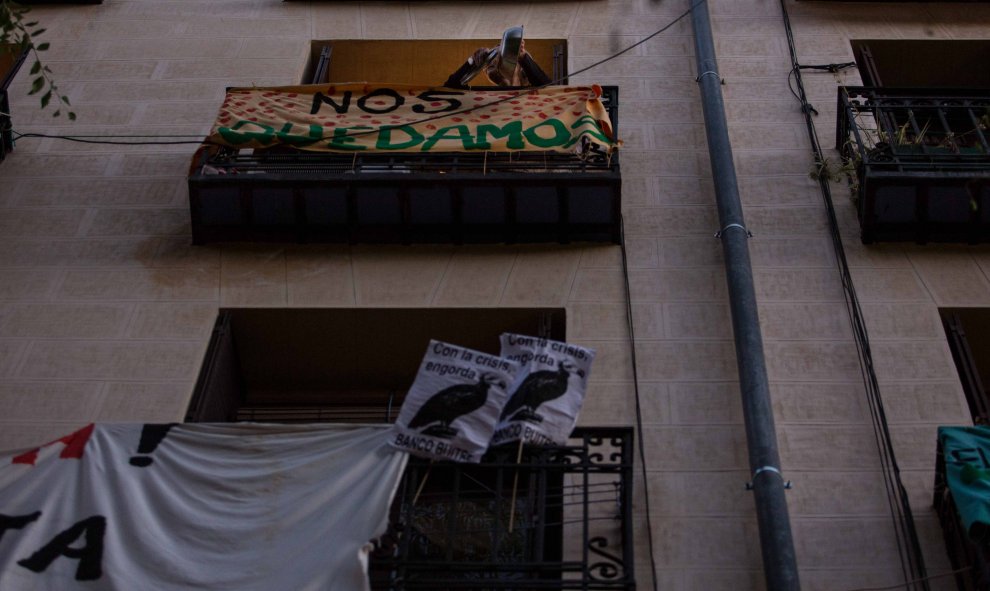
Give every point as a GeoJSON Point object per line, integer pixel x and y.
{"type": "Point", "coordinates": [280, 195]}
{"type": "Point", "coordinates": [560, 518]}
{"type": "Point", "coordinates": [920, 160]}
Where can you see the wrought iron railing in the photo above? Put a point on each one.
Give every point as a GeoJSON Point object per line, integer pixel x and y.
{"type": "Point", "coordinates": [560, 518]}
{"type": "Point", "coordinates": [915, 129]}
{"type": "Point", "coordinates": [919, 160]}
{"type": "Point", "coordinates": [229, 161]}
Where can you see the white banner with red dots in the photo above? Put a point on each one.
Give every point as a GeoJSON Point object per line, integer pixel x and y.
{"type": "Point", "coordinates": [403, 118]}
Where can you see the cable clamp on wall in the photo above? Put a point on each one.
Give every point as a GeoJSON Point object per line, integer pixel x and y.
{"type": "Point", "coordinates": [787, 483]}
{"type": "Point", "coordinates": [740, 226]}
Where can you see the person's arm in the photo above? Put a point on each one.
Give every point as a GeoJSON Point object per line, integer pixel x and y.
{"type": "Point", "coordinates": [454, 81]}
{"type": "Point", "coordinates": [475, 62]}
{"type": "Point", "coordinates": [535, 74]}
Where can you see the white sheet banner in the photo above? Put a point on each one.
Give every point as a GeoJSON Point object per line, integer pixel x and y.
{"type": "Point", "coordinates": [196, 506]}
{"type": "Point", "coordinates": [544, 408]}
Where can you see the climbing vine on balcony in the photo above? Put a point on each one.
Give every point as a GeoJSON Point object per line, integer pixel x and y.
{"type": "Point", "coordinates": [17, 33]}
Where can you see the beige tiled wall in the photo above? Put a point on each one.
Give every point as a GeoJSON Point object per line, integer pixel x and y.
{"type": "Point", "coordinates": [105, 308]}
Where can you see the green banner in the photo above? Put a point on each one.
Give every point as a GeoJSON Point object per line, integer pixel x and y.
{"type": "Point", "coordinates": [967, 471]}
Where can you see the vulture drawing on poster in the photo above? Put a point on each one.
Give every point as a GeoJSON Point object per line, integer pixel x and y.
{"type": "Point", "coordinates": [537, 388]}
{"type": "Point", "coordinates": [454, 403]}
{"type": "Point", "coordinates": [544, 408]}
{"type": "Point", "coordinates": [451, 403]}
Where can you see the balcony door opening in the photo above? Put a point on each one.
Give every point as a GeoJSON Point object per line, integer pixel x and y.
{"type": "Point", "coordinates": [968, 332]}
{"type": "Point", "coordinates": [338, 365]}
{"type": "Point", "coordinates": [426, 62]}
{"type": "Point", "coordinates": [914, 63]}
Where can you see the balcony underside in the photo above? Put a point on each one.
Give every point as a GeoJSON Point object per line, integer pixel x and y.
{"type": "Point", "coordinates": [943, 206]}
{"type": "Point", "coordinates": [386, 199]}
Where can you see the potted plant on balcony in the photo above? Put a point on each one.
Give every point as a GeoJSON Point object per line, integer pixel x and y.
{"type": "Point", "coordinates": [17, 40]}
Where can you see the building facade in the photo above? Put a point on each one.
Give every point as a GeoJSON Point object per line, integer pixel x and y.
{"type": "Point", "coordinates": [107, 308]}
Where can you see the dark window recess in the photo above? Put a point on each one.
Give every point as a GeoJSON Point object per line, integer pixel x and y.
{"type": "Point", "coordinates": [340, 365]}
{"type": "Point", "coordinates": [967, 331]}
{"type": "Point", "coordinates": [413, 61]}
{"type": "Point", "coordinates": [916, 139]}
{"type": "Point", "coordinates": [11, 58]}
{"type": "Point", "coordinates": [920, 63]}
{"type": "Point", "coordinates": [970, 559]}
{"type": "Point", "coordinates": [568, 524]}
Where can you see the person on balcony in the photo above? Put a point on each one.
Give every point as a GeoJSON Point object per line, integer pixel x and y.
{"type": "Point", "coordinates": [500, 70]}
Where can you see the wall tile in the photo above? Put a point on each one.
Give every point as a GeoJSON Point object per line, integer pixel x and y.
{"type": "Point", "coordinates": [128, 360]}
{"type": "Point", "coordinates": [65, 320]}
{"type": "Point", "coordinates": [398, 276]}
{"type": "Point", "coordinates": [319, 276]}
{"type": "Point", "coordinates": [139, 284]}
{"type": "Point", "coordinates": [150, 402]}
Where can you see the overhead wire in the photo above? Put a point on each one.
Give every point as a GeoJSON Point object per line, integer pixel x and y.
{"type": "Point", "coordinates": [641, 447]}
{"type": "Point", "coordinates": [83, 140]}
{"type": "Point", "coordinates": [906, 536]}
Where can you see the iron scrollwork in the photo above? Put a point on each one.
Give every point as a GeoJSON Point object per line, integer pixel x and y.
{"type": "Point", "coordinates": [609, 569]}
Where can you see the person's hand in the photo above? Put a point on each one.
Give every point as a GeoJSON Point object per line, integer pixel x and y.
{"type": "Point", "coordinates": [480, 56]}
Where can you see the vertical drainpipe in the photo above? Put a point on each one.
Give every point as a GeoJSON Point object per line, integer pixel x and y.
{"type": "Point", "coordinates": [768, 486]}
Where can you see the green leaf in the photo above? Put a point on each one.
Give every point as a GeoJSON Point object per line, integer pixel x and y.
{"type": "Point", "coordinates": [43, 47]}
{"type": "Point", "coordinates": [35, 68]}
{"type": "Point", "coordinates": [72, 116]}
{"type": "Point", "coordinates": [31, 24]}
{"type": "Point", "coordinates": [36, 85]}
{"type": "Point", "coordinates": [45, 99]}
{"type": "Point", "coordinates": [65, 100]}
{"type": "Point", "coordinates": [56, 113]}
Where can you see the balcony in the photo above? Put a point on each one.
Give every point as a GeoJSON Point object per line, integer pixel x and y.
{"type": "Point", "coordinates": [283, 194]}
{"type": "Point", "coordinates": [920, 160]}
{"type": "Point", "coordinates": [11, 58]}
{"type": "Point", "coordinates": [568, 525]}
{"type": "Point", "coordinates": [968, 551]}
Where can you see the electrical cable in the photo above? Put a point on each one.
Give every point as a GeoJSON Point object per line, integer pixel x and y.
{"type": "Point", "coordinates": [639, 407]}
{"type": "Point", "coordinates": [439, 116]}
{"type": "Point", "coordinates": [908, 545]}
{"type": "Point", "coordinates": [833, 68]}
{"type": "Point", "coordinates": [521, 92]}
{"type": "Point", "coordinates": [906, 583]}
{"type": "Point", "coordinates": [81, 140]}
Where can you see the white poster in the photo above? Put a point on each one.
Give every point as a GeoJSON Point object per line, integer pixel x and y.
{"type": "Point", "coordinates": [196, 506]}
{"type": "Point", "coordinates": [454, 403]}
{"type": "Point", "coordinates": [544, 408]}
